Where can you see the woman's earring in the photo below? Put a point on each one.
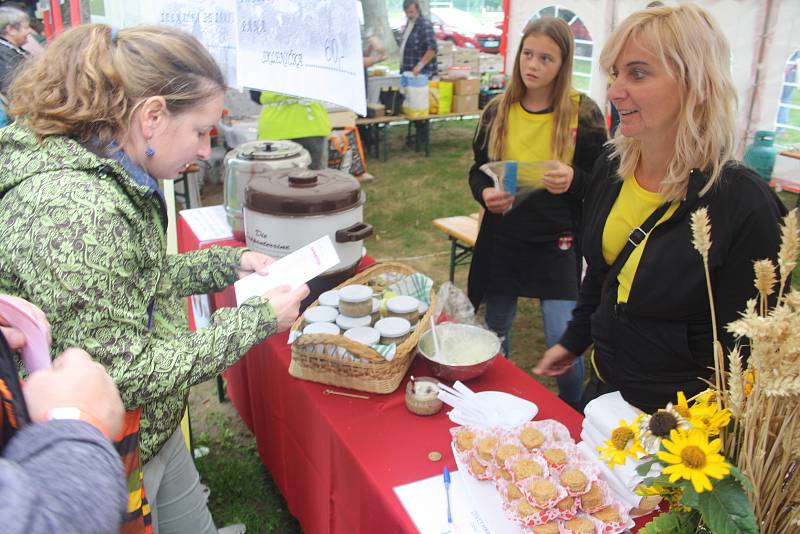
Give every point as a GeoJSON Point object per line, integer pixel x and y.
{"type": "Point", "coordinates": [149, 152]}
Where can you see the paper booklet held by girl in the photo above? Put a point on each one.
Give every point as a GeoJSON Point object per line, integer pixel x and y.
{"type": "Point", "coordinates": [520, 178]}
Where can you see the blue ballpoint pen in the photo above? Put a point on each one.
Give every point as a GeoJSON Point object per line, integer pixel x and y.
{"type": "Point", "coordinates": [447, 492]}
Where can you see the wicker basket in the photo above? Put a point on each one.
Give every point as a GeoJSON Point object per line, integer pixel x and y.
{"type": "Point", "coordinates": [376, 375]}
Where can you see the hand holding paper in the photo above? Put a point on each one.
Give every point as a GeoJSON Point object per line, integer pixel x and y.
{"type": "Point", "coordinates": [293, 270]}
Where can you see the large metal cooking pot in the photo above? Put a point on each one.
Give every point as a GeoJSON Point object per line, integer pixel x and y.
{"type": "Point", "coordinates": [254, 159]}
{"type": "Point", "coordinates": [287, 209]}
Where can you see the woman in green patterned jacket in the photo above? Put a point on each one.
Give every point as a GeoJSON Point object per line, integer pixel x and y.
{"type": "Point", "coordinates": [83, 232]}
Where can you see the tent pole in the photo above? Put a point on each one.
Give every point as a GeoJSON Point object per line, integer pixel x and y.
{"type": "Point", "coordinates": [759, 66]}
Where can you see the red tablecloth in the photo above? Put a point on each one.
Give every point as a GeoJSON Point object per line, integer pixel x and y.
{"type": "Point", "coordinates": [336, 459]}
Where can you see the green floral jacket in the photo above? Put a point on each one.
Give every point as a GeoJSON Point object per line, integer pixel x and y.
{"type": "Point", "coordinates": [84, 242]}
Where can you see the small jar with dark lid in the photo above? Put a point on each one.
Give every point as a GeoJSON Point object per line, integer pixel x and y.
{"type": "Point", "coordinates": [405, 307]}
{"type": "Point", "coordinates": [393, 330]}
{"type": "Point", "coordinates": [355, 300]}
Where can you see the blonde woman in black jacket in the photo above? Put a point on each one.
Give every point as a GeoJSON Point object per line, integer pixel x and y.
{"type": "Point", "coordinates": [650, 324]}
{"type": "Point", "coordinates": [531, 250]}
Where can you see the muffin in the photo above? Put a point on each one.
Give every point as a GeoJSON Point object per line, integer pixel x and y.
{"type": "Point", "coordinates": [512, 493]}
{"type": "Point", "coordinates": [547, 528]}
{"type": "Point", "coordinates": [476, 467]}
{"type": "Point", "coordinates": [486, 447]}
{"type": "Point", "coordinates": [503, 473]}
{"type": "Point", "coordinates": [555, 456]}
{"type": "Point", "coordinates": [573, 479]}
{"type": "Point", "coordinates": [565, 504]}
{"type": "Point", "coordinates": [594, 498]}
{"type": "Point", "coordinates": [524, 509]}
{"type": "Point", "coordinates": [580, 525]}
{"type": "Point", "coordinates": [526, 467]}
{"type": "Point", "coordinates": [542, 490]}
{"type": "Point", "coordinates": [531, 438]}
{"type": "Point", "coordinates": [607, 515]}
{"type": "Point", "coordinates": [506, 451]}
{"type": "Point", "coordinates": [465, 440]}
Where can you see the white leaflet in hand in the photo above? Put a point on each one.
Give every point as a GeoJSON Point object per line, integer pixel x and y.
{"type": "Point", "coordinates": [293, 270]}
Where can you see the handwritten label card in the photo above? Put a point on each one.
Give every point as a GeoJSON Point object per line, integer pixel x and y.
{"type": "Point", "coordinates": [293, 270]}
{"type": "Point", "coordinates": [212, 22]}
{"type": "Point", "coordinates": [307, 48]}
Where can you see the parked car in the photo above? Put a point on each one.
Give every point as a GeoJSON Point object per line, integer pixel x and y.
{"type": "Point", "coordinates": [465, 30]}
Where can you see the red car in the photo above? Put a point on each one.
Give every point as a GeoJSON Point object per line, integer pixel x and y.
{"type": "Point", "coordinates": [465, 30]}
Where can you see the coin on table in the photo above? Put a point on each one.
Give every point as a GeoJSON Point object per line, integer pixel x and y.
{"type": "Point", "coordinates": [434, 456]}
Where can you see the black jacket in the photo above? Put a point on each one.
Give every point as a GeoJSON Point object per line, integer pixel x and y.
{"type": "Point", "coordinates": [518, 253]}
{"type": "Point", "coordinates": [10, 58]}
{"type": "Point", "coordinates": [661, 340]}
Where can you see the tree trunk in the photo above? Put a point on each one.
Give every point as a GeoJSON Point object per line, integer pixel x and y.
{"type": "Point", "coordinates": [376, 20]}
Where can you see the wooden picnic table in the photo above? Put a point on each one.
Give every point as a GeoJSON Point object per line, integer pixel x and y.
{"type": "Point", "coordinates": [380, 126]}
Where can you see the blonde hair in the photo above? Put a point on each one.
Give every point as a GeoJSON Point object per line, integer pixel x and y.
{"type": "Point", "coordinates": [88, 82]}
{"type": "Point", "coordinates": [694, 51]}
{"type": "Point", "coordinates": [557, 30]}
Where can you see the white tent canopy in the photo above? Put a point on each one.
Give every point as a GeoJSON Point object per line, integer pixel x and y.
{"type": "Point", "coordinates": [763, 34]}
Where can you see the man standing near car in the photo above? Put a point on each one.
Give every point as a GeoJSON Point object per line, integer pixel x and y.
{"type": "Point", "coordinates": [418, 46]}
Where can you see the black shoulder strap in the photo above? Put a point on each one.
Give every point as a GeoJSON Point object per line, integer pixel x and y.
{"type": "Point", "coordinates": [635, 238]}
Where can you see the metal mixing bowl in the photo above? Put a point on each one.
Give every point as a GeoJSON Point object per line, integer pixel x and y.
{"type": "Point", "coordinates": [485, 342]}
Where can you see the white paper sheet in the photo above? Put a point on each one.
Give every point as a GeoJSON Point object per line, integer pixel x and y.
{"type": "Point", "coordinates": [426, 504]}
{"type": "Point", "coordinates": [209, 223]}
{"type": "Point", "coordinates": [293, 270]}
{"type": "Point", "coordinates": [307, 48]}
{"type": "Point", "coordinates": [212, 22]}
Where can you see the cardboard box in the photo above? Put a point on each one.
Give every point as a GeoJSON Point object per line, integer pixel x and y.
{"type": "Point", "coordinates": [465, 103]}
{"type": "Point", "coordinates": [468, 86]}
{"type": "Point", "coordinates": [376, 110]}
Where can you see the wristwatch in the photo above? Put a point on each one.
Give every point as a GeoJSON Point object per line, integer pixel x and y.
{"type": "Point", "coordinates": [71, 412]}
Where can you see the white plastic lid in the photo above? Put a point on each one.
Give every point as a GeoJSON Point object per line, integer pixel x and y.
{"type": "Point", "coordinates": [321, 328]}
{"type": "Point", "coordinates": [320, 314]}
{"type": "Point", "coordinates": [363, 334]}
{"type": "Point", "coordinates": [330, 298]}
{"type": "Point", "coordinates": [355, 293]}
{"type": "Point", "coordinates": [346, 322]}
{"type": "Point", "coordinates": [393, 327]}
{"type": "Point", "coordinates": [402, 304]}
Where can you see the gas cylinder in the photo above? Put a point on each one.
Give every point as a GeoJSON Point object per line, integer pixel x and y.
{"type": "Point", "coordinates": [760, 155]}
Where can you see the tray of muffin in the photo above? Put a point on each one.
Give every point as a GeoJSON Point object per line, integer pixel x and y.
{"type": "Point", "coordinates": [533, 478]}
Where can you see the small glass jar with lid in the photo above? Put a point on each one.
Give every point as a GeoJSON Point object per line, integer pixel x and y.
{"type": "Point", "coordinates": [405, 307]}
{"type": "Point", "coordinates": [330, 298]}
{"type": "Point", "coordinates": [393, 330]}
{"type": "Point", "coordinates": [345, 322]}
{"type": "Point", "coordinates": [320, 314]}
{"type": "Point", "coordinates": [355, 300]}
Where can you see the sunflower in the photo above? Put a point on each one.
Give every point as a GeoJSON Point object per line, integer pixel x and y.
{"type": "Point", "coordinates": [709, 418]}
{"type": "Point", "coordinates": [624, 442]}
{"type": "Point", "coordinates": [681, 408]}
{"type": "Point", "coordinates": [749, 381]}
{"type": "Point", "coordinates": [690, 456]}
{"type": "Point", "coordinates": [653, 428]}
{"type": "Point", "coordinates": [706, 397]}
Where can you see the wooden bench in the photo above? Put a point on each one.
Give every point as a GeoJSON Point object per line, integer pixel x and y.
{"type": "Point", "coordinates": [462, 230]}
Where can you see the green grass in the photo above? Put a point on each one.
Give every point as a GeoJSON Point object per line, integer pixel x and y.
{"type": "Point", "coordinates": [409, 191]}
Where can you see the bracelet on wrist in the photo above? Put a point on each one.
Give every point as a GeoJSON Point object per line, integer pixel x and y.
{"type": "Point", "coordinates": [71, 412]}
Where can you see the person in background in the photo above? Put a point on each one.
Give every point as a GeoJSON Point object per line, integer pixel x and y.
{"type": "Point", "coordinates": [101, 115]}
{"type": "Point", "coordinates": [643, 302]}
{"type": "Point", "coordinates": [14, 31]}
{"type": "Point", "coordinates": [418, 44]}
{"type": "Point", "coordinates": [531, 250]}
{"type": "Point", "coordinates": [50, 431]}
{"type": "Point", "coordinates": [297, 119]}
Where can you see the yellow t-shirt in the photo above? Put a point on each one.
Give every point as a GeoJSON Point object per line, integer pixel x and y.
{"type": "Point", "coordinates": [530, 135]}
{"type": "Point", "coordinates": [632, 208]}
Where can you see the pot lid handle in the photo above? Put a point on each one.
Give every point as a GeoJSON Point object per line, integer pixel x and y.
{"type": "Point", "coordinates": [303, 179]}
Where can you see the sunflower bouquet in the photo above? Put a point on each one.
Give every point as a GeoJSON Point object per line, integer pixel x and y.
{"type": "Point", "coordinates": [728, 459]}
